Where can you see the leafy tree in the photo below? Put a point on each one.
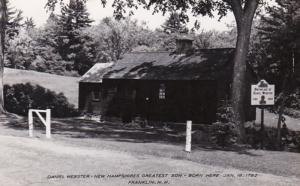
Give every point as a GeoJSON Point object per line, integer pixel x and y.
{"type": "Point", "coordinates": [278, 50]}
{"type": "Point", "coordinates": [243, 10]}
{"type": "Point", "coordinates": [278, 33]}
{"type": "Point", "coordinates": [114, 38]}
{"type": "Point", "coordinates": [44, 45]}
{"type": "Point", "coordinates": [215, 39]}
{"type": "Point", "coordinates": [36, 49]}
{"type": "Point", "coordinates": [16, 46]}
{"type": "Point", "coordinates": [19, 51]}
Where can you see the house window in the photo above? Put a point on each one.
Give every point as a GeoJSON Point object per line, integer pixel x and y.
{"type": "Point", "coordinates": [96, 95]}
{"type": "Point", "coordinates": [162, 91]}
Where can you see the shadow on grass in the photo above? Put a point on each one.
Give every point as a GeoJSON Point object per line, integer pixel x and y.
{"type": "Point", "coordinates": [77, 128]}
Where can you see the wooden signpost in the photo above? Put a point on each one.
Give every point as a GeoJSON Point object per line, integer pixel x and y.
{"type": "Point", "coordinates": [262, 94]}
{"type": "Point", "coordinates": [46, 122]}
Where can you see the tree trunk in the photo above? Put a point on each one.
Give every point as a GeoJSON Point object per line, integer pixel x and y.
{"type": "Point", "coordinates": [2, 38]}
{"type": "Point", "coordinates": [239, 78]}
{"type": "Point", "coordinates": [244, 18]}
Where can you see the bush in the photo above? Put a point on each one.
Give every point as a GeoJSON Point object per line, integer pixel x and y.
{"type": "Point", "coordinates": [225, 112]}
{"type": "Point", "coordinates": [223, 134]}
{"type": "Point", "coordinates": [21, 97]}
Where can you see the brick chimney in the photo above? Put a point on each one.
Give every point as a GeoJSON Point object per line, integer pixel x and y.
{"type": "Point", "coordinates": [184, 44]}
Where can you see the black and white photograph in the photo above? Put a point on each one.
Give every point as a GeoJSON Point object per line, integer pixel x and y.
{"type": "Point", "coordinates": [149, 92]}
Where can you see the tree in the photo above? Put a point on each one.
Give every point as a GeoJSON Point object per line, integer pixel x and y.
{"type": "Point", "coordinates": [174, 24]}
{"type": "Point", "coordinates": [29, 23]}
{"type": "Point", "coordinates": [3, 21]}
{"type": "Point", "coordinates": [14, 21]}
{"type": "Point", "coordinates": [243, 10]}
{"type": "Point", "coordinates": [74, 17]}
{"type": "Point", "coordinates": [19, 51]}
{"type": "Point", "coordinates": [215, 39]}
{"type": "Point", "coordinates": [279, 49]}
{"type": "Point", "coordinates": [116, 37]}
{"type": "Point", "coordinates": [44, 45]}
{"type": "Point", "coordinates": [170, 30]}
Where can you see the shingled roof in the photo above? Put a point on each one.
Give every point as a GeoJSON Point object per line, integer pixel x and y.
{"type": "Point", "coordinates": [205, 64]}
{"type": "Point", "coordinates": [95, 74]}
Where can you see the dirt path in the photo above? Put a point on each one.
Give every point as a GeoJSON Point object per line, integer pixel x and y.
{"type": "Point", "coordinates": [35, 162]}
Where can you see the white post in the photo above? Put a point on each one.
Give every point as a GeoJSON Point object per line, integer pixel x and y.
{"type": "Point", "coordinates": [48, 123]}
{"type": "Point", "coordinates": [30, 123]}
{"type": "Point", "coordinates": [188, 136]}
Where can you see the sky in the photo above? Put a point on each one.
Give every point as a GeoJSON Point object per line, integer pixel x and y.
{"type": "Point", "coordinates": [35, 9]}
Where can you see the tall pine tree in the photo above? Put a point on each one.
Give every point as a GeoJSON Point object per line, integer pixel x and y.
{"type": "Point", "coordinates": [174, 24]}
{"type": "Point", "coordinates": [73, 19]}
{"type": "Point", "coordinates": [14, 21]}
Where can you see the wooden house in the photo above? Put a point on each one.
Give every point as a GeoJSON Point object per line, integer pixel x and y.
{"type": "Point", "coordinates": [161, 86]}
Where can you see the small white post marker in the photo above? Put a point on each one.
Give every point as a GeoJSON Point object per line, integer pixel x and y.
{"type": "Point", "coordinates": [188, 143]}
{"type": "Point", "coordinates": [48, 123]}
{"type": "Point", "coordinates": [30, 123]}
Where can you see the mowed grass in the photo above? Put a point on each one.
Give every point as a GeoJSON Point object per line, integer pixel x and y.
{"type": "Point", "coordinates": [67, 85]}
{"type": "Point", "coordinates": [159, 143]}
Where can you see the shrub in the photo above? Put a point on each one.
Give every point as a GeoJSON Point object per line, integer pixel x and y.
{"type": "Point", "coordinates": [223, 134]}
{"type": "Point", "coordinates": [225, 112]}
{"type": "Point", "coordinates": [21, 97]}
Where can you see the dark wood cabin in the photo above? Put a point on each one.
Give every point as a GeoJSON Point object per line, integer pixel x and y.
{"type": "Point", "coordinates": [162, 86]}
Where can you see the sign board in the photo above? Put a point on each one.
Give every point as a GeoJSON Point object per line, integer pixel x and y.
{"type": "Point", "coordinates": [262, 93]}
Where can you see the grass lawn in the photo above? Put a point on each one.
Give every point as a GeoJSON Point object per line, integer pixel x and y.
{"type": "Point", "coordinates": [66, 85]}
{"type": "Point", "coordinates": [159, 143]}
{"type": "Point", "coordinates": [145, 142]}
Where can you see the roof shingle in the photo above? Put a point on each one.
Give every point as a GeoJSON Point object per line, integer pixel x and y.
{"type": "Point", "coordinates": [204, 64]}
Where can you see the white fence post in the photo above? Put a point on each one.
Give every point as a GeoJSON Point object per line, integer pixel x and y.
{"type": "Point", "coordinates": [48, 123]}
{"type": "Point", "coordinates": [188, 143]}
{"type": "Point", "coordinates": [30, 123]}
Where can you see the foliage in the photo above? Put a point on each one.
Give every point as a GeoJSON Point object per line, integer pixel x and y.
{"type": "Point", "coordinates": [223, 134]}
{"type": "Point", "coordinates": [279, 36]}
{"type": "Point", "coordinates": [114, 38]}
{"type": "Point", "coordinates": [71, 45]}
{"type": "Point", "coordinates": [29, 51]}
{"type": "Point", "coordinates": [275, 51]}
{"type": "Point", "coordinates": [290, 142]}
{"type": "Point", "coordinates": [215, 39]}
{"type": "Point", "coordinates": [19, 53]}
{"type": "Point", "coordinates": [225, 113]}
{"type": "Point", "coordinates": [174, 25]}
{"type": "Point", "coordinates": [29, 23]}
{"type": "Point", "coordinates": [21, 97]}
{"type": "Point", "coordinates": [14, 21]}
